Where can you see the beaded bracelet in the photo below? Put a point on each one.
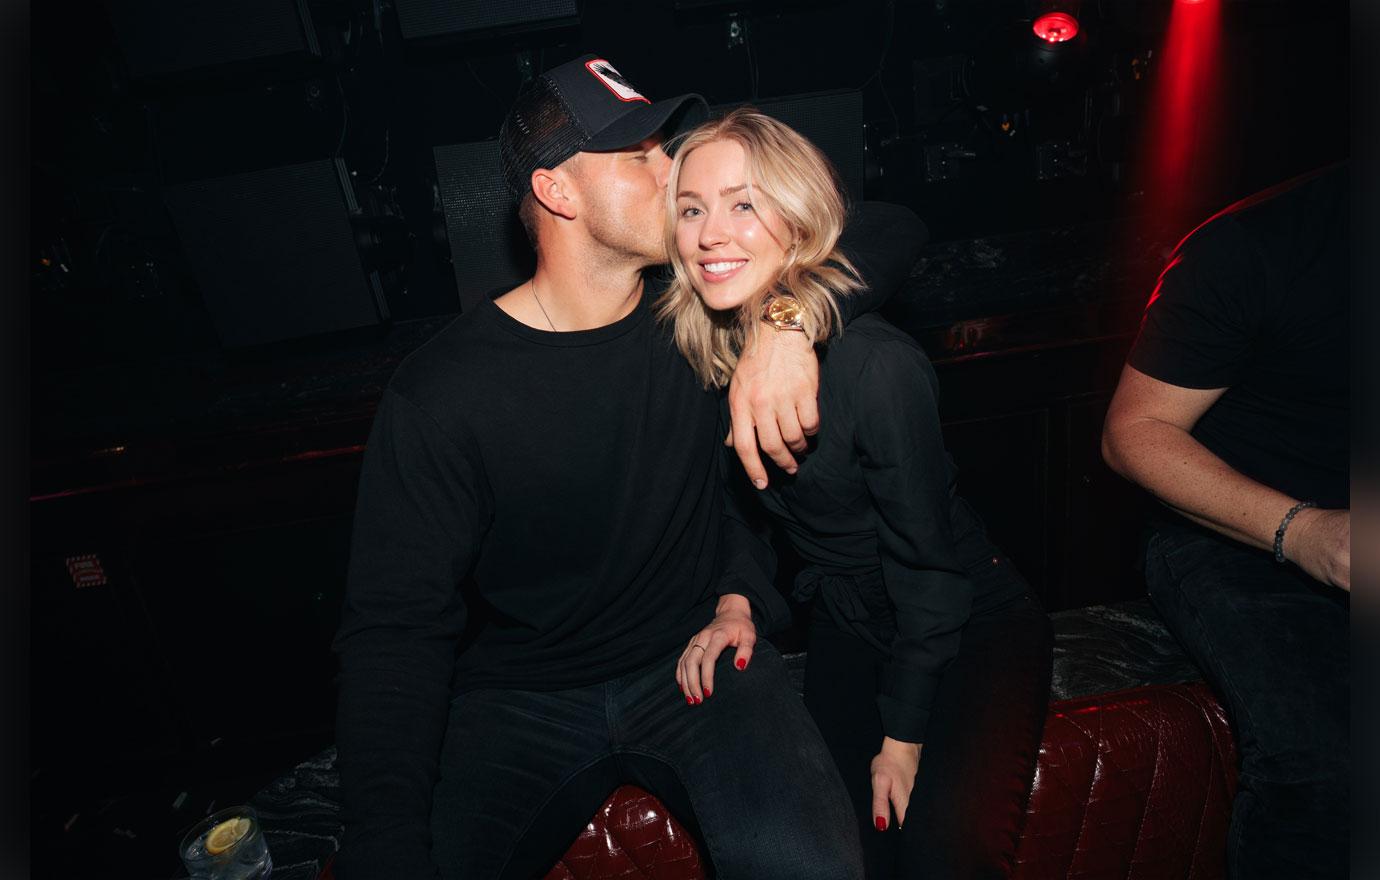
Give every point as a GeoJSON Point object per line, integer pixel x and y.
{"type": "Point", "coordinates": [1284, 524]}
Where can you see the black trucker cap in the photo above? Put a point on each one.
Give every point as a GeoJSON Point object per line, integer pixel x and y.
{"type": "Point", "coordinates": [583, 106]}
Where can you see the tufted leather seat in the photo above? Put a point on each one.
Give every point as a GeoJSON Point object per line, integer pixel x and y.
{"type": "Point", "coordinates": [632, 836]}
{"type": "Point", "coordinates": [1135, 777]}
{"type": "Point", "coordinates": [1136, 784]}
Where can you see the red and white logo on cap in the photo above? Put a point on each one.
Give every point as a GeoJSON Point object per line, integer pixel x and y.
{"type": "Point", "coordinates": [614, 80]}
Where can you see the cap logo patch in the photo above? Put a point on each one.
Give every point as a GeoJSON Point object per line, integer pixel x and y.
{"type": "Point", "coordinates": [610, 77]}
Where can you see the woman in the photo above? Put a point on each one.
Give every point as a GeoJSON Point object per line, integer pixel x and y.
{"type": "Point", "coordinates": [923, 638]}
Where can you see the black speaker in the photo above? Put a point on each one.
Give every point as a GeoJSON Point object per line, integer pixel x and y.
{"type": "Point", "coordinates": [274, 252]}
{"type": "Point", "coordinates": [162, 37]}
{"type": "Point", "coordinates": [470, 18]}
{"type": "Point", "coordinates": [488, 247]}
{"type": "Point", "coordinates": [833, 121]}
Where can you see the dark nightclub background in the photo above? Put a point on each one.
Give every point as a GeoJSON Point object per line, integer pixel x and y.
{"type": "Point", "coordinates": [244, 214]}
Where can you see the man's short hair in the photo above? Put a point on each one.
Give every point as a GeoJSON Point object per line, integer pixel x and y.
{"type": "Point", "coordinates": [539, 132]}
{"type": "Point", "coordinates": [527, 213]}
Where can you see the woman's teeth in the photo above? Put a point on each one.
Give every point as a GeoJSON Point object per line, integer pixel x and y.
{"type": "Point", "coordinates": [720, 268]}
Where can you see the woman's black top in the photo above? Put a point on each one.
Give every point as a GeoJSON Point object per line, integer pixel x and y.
{"type": "Point", "coordinates": [892, 553]}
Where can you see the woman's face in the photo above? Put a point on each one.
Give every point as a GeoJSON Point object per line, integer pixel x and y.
{"type": "Point", "coordinates": [732, 246]}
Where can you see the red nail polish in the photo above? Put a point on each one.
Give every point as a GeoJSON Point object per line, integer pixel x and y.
{"type": "Point", "coordinates": [708, 692]}
{"type": "Point", "coordinates": [881, 823]}
{"type": "Point", "coordinates": [699, 700]}
{"type": "Point", "coordinates": [741, 663]}
{"type": "Point", "coordinates": [689, 700]}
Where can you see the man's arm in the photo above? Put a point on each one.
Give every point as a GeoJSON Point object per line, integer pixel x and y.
{"type": "Point", "coordinates": [882, 241]}
{"type": "Point", "coordinates": [772, 397]}
{"type": "Point", "coordinates": [416, 524]}
{"type": "Point", "coordinates": [1146, 439]}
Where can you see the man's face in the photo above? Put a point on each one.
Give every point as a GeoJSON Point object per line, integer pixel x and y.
{"type": "Point", "coordinates": [623, 198]}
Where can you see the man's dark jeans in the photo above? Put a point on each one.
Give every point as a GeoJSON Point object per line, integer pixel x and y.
{"type": "Point", "coordinates": [522, 772]}
{"type": "Point", "coordinates": [1273, 643]}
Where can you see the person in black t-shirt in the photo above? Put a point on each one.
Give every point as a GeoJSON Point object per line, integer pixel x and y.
{"type": "Point", "coordinates": [541, 524]}
{"type": "Point", "coordinates": [1233, 410]}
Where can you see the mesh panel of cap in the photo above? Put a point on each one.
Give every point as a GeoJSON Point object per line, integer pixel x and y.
{"type": "Point", "coordinates": [538, 133]}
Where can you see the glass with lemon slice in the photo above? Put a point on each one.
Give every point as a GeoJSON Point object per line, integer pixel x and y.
{"type": "Point", "coordinates": [228, 845]}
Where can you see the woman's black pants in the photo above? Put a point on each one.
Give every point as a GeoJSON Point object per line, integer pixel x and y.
{"type": "Point", "coordinates": [978, 761]}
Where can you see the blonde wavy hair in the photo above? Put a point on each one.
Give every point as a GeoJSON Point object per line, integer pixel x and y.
{"type": "Point", "coordinates": [798, 183]}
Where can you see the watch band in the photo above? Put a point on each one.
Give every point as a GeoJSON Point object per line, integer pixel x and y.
{"type": "Point", "coordinates": [783, 312]}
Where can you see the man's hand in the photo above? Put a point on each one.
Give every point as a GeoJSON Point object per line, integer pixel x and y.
{"type": "Point", "coordinates": [893, 779]}
{"type": "Point", "coordinates": [772, 399]}
{"type": "Point", "coordinates": [1319, 542]}
{"type": "Point", "coordinates": [732, 626]}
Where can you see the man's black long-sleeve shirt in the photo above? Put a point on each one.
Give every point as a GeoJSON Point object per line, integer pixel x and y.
{"type": "Point", "coordinates": [570, 482]}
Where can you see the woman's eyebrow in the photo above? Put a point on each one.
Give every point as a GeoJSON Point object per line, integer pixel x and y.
{"type": "Point", "coordinates": [726, 191]}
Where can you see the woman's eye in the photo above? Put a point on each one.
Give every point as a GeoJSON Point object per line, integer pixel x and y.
{"type": "Point", "coordinates": [743, 206]}
{"type": "Point", "coordinates": [689, 212]}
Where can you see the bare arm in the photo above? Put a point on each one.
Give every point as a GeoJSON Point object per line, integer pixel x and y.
{"type": "Point", "coordinates": [1146, 439]}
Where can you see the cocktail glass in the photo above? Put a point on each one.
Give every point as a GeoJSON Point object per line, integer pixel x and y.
{"type": "Point", "coordinates": [223, 847]}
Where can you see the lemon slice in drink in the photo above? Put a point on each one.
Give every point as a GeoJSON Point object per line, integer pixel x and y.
{"type": "Point", "coordinates": [226, 835]}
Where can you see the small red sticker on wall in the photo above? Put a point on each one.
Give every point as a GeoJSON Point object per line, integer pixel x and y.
{"type": "Point", "coordinates": [86, 571]}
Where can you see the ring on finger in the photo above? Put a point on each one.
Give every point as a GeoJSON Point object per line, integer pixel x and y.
{"type": "Point", "coordinates": [701, 647]}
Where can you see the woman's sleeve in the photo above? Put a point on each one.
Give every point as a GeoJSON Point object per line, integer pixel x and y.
{"type": "Point", "coordinates": [906, 469]}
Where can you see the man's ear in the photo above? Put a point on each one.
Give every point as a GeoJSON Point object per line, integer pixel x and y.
{"type": "Point", "coordinates": [552, 187]}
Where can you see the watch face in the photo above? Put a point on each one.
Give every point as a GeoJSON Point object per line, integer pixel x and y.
{"type": "Point", "coordinates": [784, 311]}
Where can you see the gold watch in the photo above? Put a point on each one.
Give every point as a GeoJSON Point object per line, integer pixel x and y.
{"type": "Point", "coordinates": [783, 312]}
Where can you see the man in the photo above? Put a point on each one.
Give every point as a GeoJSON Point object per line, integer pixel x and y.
{"type": "Point", "coordinates": [553, 453]}
{"type": "Point", "coordinates": [1234, 411]}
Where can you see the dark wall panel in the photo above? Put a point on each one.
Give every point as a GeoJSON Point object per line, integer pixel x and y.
{"type": "Point", "coordinates": [488, 247]}
{"type": "Point", "coordinates": [172, 36]}
{"type": "Point", "coordinates": [275, 252]}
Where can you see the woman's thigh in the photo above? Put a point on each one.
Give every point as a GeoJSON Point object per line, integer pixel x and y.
{"type": "Point", "coordinates": [842, 673]}
{"type": "Point", "coordinates": [979, 756]}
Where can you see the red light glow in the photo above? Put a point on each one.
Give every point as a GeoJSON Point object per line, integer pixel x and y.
{"type": "Point", "coordinates": [1184, 136]}
{"type": "Point", "coordinates": [1056, 27]}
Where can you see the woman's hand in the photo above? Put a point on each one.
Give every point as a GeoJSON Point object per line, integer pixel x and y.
{"type": "Point", "coordinates": [893, 779]}
{"type": "Point", "coordinates": [732, 626]}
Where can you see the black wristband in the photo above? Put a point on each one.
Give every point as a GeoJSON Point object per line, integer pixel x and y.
{"type": "Point", "coordinates": [1284, 524]}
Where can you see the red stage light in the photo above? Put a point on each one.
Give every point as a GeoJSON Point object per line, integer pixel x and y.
{"type": "Point", "coordinates": [1056, 27]}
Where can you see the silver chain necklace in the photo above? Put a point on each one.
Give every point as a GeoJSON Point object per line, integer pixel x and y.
{"type": "Point", "coordinates": [533, 282]}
